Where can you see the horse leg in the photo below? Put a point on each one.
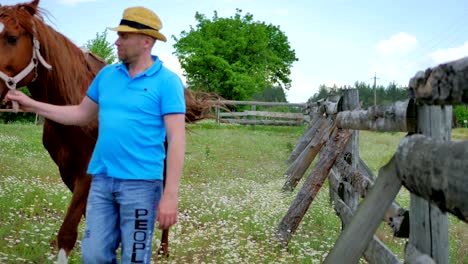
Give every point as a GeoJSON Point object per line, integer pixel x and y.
{"type": "Point", "coordinates": [68, 232]}
{"type": "Point", "coordinates": [164, 248]}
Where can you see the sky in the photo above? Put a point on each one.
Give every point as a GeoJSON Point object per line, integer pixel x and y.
{"type": "Point", "coordinates": [337, 42]}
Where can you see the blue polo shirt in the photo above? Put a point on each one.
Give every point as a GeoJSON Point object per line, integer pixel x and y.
{"type": "Point", "coordinates": [130, 143]}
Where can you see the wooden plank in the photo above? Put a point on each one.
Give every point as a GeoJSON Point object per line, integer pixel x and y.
{"type": "Point", "coordinates": [302, 163]}
{"type": "Point", "coordinates": [312, 185]}
{"type": "Point", "coordinates": [428, 225]}
{"type": "Point", "coordinates": [262, 122]}
{"type": "Point", "coordinates": [445, 84]}
{"type": "Point", "coordinates": [436, 170]}
{"type": "Point", "coordinates": [232, 102]}
{"type": "Point", "coordinates": [392, 117]}
{"type": "Point", "coordinates": [354, 239]}
{"type": "Point", "coordinates": [376, 252]}
{"type": "Point", "coordinates": [297, 116]}
{"type": "Point", "coordinates": [306, 138]}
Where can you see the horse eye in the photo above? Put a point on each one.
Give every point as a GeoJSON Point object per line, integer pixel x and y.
{"type": "Point", "coordinates": [12, 40]}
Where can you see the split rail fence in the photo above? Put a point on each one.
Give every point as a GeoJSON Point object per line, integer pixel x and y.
{"type": "Point", "coordinates": [255, 117]}
{"type": "Point", "coordinates": [431, 166]}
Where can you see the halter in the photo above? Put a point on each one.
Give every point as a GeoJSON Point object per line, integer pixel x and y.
{"type": "Point", "coordinates": [11, 82]}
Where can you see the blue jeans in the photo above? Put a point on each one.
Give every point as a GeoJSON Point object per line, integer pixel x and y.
{"type": "Point", "coordinates": [120, 212]}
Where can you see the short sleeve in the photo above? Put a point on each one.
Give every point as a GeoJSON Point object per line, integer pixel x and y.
{"type": "Point", "coordinates": [172, 96]}
{"type": "Point", "coordinates": [93, 90]}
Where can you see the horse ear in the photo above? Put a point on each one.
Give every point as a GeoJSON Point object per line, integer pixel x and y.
{"type": "Point", "coordinates": [31, 7]}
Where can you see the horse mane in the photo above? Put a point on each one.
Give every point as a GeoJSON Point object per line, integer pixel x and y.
{"type": "Point", "coordinates": [68, 80]}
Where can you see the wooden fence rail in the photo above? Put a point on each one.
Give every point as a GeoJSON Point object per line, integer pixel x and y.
{"type": "Point", "coordinates": [254, 117]}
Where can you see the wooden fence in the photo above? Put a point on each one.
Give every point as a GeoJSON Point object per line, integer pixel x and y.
{"type": "Point", "coordinates": [433, 168]}
{"type": "Point", "coordinates": [254, 117]}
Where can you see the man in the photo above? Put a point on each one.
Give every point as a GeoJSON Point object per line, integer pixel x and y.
{"type": "Point", "coordinates": [139, 103]}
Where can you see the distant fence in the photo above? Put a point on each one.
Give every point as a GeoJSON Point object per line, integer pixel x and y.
{"type": "Point", "coordinates": [255, 117]}
{"type": "Point", "coordinates": [433, 168]}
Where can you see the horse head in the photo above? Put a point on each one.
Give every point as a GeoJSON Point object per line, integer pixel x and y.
{"type": "Point", "coordinates": [19, 47]}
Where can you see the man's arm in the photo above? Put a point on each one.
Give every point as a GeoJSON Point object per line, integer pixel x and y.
{"type": "Point", "coordinates": [168, 207]}
{"type": "Point", "coordinates": [80, 114]}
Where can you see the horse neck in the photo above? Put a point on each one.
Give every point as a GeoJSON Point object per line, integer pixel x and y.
{"type": "Point", "coordinates": [71, 74]}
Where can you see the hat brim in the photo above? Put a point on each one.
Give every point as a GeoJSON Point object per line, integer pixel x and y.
{"type": "Point", "coordinates": [150, 32]}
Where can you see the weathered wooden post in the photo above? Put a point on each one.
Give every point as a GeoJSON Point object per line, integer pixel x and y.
{"type": "Point", "coordinates": [254, 108]}
{"type": "Point", "coordinates": [351, 102]}
{"type": "Point", "coordinates": [428, 225]}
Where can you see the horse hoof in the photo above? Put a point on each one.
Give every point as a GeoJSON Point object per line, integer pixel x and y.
{"type": "Point", "coordinates": [62, 257]}
{"type": "Point", "coordinates": [164, 252]}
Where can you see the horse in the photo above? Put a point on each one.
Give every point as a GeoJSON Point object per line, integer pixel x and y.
{"type": "Point", "coordinates": [56, 71]}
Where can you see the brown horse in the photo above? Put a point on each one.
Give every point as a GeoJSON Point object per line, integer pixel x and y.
{"type": "Point", "coordinates": [58, 72]}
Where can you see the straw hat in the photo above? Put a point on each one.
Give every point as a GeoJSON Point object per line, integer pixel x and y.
{"type": "Point", "coordinates": [141, 20]}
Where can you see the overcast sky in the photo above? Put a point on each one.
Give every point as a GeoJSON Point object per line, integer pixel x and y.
{"type": "Point", "coordinates": [337, 41]}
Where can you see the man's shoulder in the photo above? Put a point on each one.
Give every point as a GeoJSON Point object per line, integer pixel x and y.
{"type": "Point", "coordinates": [106, 70]}
{"type": "Point", "coordinates": [111, 67]}
{"type": "Point", "coordinates": [169, 74]}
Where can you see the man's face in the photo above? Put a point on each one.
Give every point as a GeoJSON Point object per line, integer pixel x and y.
{"type": "Point", "coordinates": [130, 46]}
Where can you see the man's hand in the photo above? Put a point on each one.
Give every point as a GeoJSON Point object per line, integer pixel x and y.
{"type": "Point", "coordinates": [167, 211]}
{"type": "Point", "coordinates": [25, 102]}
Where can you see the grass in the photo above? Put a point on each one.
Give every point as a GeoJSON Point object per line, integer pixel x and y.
{"type": "Point", "coordinates": [230, 199]}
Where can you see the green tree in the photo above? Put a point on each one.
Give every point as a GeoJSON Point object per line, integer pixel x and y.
{"type": "Point", "coordinates": [235, 57]}
{"type": "Point", "coordinates": [323, 93]}
{"type": "Point", "coordinates": [271, 94]}
{"type": "Point", "coordinates": [101, 47]}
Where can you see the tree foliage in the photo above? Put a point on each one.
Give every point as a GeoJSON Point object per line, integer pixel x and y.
{"type": "Point", "coordinates": [271, 94]}
{"type": "Point", "coordinates": [101, 47]}
{"type": "Point", "coordinates": [235, 57]}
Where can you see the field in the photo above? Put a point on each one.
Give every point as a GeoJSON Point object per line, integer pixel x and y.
{"type": "Point", "coordinates": [230, 202]}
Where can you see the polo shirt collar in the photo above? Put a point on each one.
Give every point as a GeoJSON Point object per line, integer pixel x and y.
{"type": "Point", "coordinates": [157, 65]}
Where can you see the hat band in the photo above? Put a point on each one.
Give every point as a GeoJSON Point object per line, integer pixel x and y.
{"type": "Point", "coordinates": [134, 24]}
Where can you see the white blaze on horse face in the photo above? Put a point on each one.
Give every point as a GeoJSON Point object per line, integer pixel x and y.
{"type": "Point", "coordinates": [2, 27]}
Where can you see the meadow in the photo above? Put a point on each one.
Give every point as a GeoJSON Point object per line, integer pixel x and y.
{"type": "Point", "coordinates": [230, 199]}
